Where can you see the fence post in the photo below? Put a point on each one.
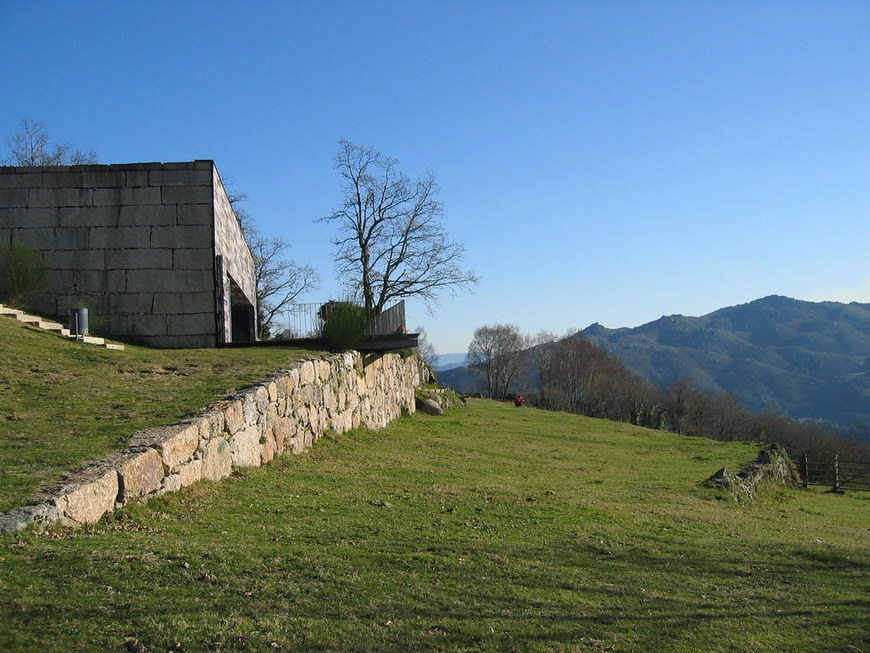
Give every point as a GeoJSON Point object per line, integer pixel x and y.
{"type": "Point", "coordinates": [806, 471]}
{"type": "Point", "coordinates": [836, 472]}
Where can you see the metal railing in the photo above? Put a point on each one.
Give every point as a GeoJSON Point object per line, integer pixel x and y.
{"type": "Point", "coordinates": [306, 320]}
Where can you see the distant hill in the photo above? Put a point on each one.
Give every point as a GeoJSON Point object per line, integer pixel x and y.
{"type": "Point", "coordinates": [449, 361]}
{"type": "Point", "coordinates": [803, 359]}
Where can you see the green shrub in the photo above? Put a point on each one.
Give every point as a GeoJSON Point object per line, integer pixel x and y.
{"type": "Point", "coordinates": [344, 325]}
{"type": "Point", "coordinates": [22, 273]}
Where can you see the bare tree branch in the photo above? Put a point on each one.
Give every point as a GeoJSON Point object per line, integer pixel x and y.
{"type": "Point", "coordinates": [279, 280]}
{"type": "Point", "coordinates": [33, 147]}
{"type": "Point", "coordinates": [391, 243]}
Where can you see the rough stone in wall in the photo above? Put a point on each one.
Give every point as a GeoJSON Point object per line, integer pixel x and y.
{"type": "Point", "coordinates": [773, 465]}
{"type": "Point", "coordinates": [285, 413]}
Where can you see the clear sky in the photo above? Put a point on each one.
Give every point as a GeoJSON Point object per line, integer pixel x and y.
{"type": "Point", "coordinates": [602, 161]}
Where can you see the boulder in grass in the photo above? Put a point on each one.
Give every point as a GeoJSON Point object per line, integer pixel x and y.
{"type": "Point", "coordinates": [429, 406]}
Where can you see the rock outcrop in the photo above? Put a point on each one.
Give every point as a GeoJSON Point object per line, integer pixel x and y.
{"type": "Point", "coordinates": [773, 465]}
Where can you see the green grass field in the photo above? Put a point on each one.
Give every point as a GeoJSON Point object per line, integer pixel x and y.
{"type": "Point", "coordinates": [489, 528]}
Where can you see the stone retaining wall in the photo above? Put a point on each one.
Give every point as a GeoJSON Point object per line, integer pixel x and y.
{"type": "Point", "coordinates": [286, 413]}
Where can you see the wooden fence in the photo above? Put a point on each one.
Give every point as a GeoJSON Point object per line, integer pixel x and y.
{"type": "Point", "coordinates": [836, 474]}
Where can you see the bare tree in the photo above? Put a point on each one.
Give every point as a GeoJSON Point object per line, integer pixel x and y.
{"type": "Point", "coordinates": [279, 280]}
{"type": "Point", "coordinates": [391, 244]}
{"type": "Point", "coordinates": [33, 147]}
{"type": "Point", "coordinates": [426, 348]}
{"type": "Point", "coordinates": [499, 350]}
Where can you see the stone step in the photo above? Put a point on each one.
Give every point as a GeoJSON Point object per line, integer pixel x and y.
{"type": "Point", "coordinates": [55, 327]}
{"type": "Point", "coordinates": [38, 322]}
{"type": "Point", "coordinates": [91, 340]}
{"type": "Point", "coordinates": [59, 330]}
{"type": "Point", "coordinates": [11, 312]}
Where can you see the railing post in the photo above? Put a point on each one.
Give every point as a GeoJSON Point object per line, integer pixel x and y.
{"type": "Point", "coordinates": [806, 471]}
{"type": "Point", "coordinates": [836, 472]}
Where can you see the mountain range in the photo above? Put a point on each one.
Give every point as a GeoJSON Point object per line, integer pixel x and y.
{"type": "Point", "coordinates": [806, 360]}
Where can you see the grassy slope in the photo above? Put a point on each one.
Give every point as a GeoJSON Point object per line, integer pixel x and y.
{"type": "Point", "coordinates": [491, 528]}
{"type": "Point", "coordinates": [62, 402]}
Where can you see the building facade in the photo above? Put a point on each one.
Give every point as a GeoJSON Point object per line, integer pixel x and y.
{"type": "Point", "coordinates": [153, 250]}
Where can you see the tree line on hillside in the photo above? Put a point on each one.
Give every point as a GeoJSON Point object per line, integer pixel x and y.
{"type": "Point", "coordinates": [572, 374]}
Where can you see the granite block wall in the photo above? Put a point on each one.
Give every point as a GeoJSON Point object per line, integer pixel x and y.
{"type": "Point", "coordinates": [138, 245]}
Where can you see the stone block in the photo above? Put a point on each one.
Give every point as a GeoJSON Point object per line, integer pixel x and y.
{"type": "Point", "coordinates": [277, 383]}
{"type": "Point", "coordinates": [139, 474]}
{"type": "Point", "coordinates": [271, 390]}
{"type": "Point", "coordinates": [249, 405]}
{"type": "Point", "coordinates": [191, 324]}
{"type": "Point", "coordinates": [307, 373]}
{"type": "Point", "coordinates": [198, 302]}
{"type": "Point", "coordinates": [126, 196]}
{"type": "Point", "coordinates": [23, 218]}
{"type": "Point", "coordinates": [429, 406]}
{"type": "Point", "coordinates": [268, 447]}
{"type": "Point", "coordinates": [58, 197]}
{"type": "Point", "coordinates": [171, 483]}
{"type": "Point", "coordinates": [56, 238]}
{"type": "Point", "coordinates": [192, 259]}
{"type": "Point", "coordinates": [89, 499]}
{"type": "Point", "coordinates": [106, 178]}
{"type": "Point", "coordinates": [176, 444]}
{"type": "Point", "coordinates": [134, 178]}
{"type": "Point", "coordinates": [182, 281]}
{"type": "Point", "coordinates": [195, 214]}
{"type": "Point", "coordinates": [217, 459]}
{"type": "Point", "coordinates": [41, 515]}
{"type": "Point", "coordinates": [234, 415]}
{"type": "Point", "coordinates": [147, 215]}
{"type": "Point", "coordinates": [196, 236]}
{"type": "Point", "coordinates": [282, 430]}
{"type": "Point", "coordinates": [20, 180]}
{"type": "Point", "coordinates": [246, 446]}
{"type": "Point", "coordinates": [61, 179]}
{"type": "Point", "coordinates": [88, 216]}
{"type": "Point", "coordinates": [79, 259]}
{"type": "Point", "coordinates": [99, 281]}
{"type": "Point", "coordinates": [140, 326]}
{"type": "Point", "coordinates": [211, 423]}
{"type": "Point", "coordinates": [119, 237]}
{"type": "Point", "coordinates": [186, 194]}
{"type": "Point", "coordinates": [11, 198]}
{"type": "Point", "coordinates": [187, 176]}
{"type": "Point", "coordinates": [139, 259]}
{"type": "Point", "coordinates": [190, 472]}
{"type": "Point", "coordinates": [171, 341]}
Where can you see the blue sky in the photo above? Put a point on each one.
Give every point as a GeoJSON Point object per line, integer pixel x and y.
{"type": "Point", "coordinates": [603, 162]}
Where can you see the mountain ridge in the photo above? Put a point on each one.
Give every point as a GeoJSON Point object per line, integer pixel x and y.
{"type": "Point", "coordinates": [803, 359]}
{"type": "Point", "coordinates": [800, 359]}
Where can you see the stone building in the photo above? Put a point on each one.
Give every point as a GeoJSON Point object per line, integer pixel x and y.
{"type": "Point", "coordinates": [153, 250]}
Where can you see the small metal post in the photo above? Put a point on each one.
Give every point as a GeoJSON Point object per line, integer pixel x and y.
{"type": "Point", "coordinates": [836, 472]}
